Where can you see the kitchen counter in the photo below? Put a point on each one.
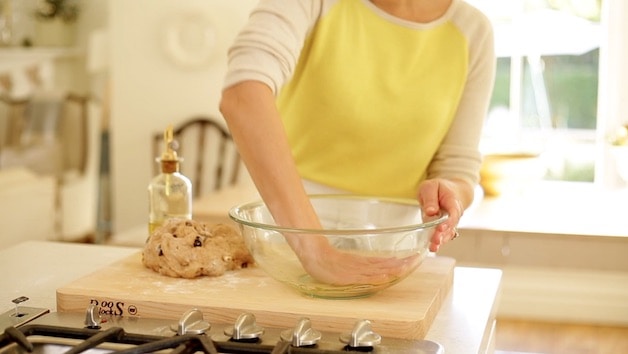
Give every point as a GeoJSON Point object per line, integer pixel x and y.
{"type": "Point", "coordinates": [465, 323]}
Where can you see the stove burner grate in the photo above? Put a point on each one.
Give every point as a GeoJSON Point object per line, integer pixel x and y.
{"type": "Point", "coordinates": [143, 343]}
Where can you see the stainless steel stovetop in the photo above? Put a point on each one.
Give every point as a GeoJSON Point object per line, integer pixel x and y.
{"type": "Point", "coordinates": [32, 330]}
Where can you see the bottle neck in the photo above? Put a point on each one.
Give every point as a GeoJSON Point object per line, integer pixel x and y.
{"type": "Point", "coordinates": [169, 166]}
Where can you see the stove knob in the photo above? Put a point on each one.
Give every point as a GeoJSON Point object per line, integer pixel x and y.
{"type": "Point", "coordinates": [192, 322]}
{"type": "Point", "coordinates": [302, 335]}
{"type": "Point", "coordinates": [361, 336]}
{"type": "Point", "coordinates": [92, 318]}
{"type": "Point", "coordinates": [245, 328]}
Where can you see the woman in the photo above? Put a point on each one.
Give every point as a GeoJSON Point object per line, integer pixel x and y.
{"type": "Point", "coordinates": [379, 97]}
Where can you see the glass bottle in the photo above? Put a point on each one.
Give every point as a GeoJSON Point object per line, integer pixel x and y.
{"type": "Point", "coordinates": [170, 192]}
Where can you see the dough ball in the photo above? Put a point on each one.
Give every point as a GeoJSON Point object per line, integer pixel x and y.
{"type": "Point", "coordinates": [189, 249]}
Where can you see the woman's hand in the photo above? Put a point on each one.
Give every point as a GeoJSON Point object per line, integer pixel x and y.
{"type": "Point", "coordinates": [329, 265]}
{"type": "Point", "coordinates": [452, 196]}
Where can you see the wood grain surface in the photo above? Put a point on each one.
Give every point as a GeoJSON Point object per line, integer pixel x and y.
{"type": "Point", "coordinates": [127, 288]}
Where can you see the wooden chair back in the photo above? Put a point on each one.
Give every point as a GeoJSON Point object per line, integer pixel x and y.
{"type": "Point", "coordinates": [209, 156]}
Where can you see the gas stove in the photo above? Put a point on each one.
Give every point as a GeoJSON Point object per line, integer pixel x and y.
{"type": "Point", "coordinates": [32, 330]}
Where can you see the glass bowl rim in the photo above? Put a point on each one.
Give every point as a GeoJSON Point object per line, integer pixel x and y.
{"type": "Point", "coordinates": [234, 212]}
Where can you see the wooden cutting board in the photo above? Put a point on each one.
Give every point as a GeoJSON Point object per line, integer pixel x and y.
{"type": "Point", "coordinates": [127, 288]}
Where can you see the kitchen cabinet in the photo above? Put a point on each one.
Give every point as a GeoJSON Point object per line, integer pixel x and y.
{"type": "Point", "coordinates": [562, 248]}
{"type": "Point", "coordinates": [50, 127]}
{"type": "Point", "coordinates": [464, 324]}
{"type": "Point", "coordinates": [27, 204]}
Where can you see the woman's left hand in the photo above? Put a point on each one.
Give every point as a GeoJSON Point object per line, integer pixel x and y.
{"type": "Point", "coordinates": [451, 196]}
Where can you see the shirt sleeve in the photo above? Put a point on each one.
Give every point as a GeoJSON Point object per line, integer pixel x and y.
{"type": "Point", "coordinates": [268, 47]}
{"type": "Point", "coordinates": [459, 155]}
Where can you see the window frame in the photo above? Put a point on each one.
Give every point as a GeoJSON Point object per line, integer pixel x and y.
{"type": "Point", "coordinates": [612, 86]}
{"type": "Point", "coordinates": [612, 90]}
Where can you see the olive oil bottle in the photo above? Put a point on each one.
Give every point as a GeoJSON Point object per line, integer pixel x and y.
{"type": "Point", "coordinates": [170, 192]}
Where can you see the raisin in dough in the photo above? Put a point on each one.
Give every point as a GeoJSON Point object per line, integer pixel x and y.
{"type": "Point", "coordinates": [190, 249]}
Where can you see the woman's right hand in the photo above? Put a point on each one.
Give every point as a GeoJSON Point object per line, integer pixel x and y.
{"type": "Point", "coordinates": [330, 265]}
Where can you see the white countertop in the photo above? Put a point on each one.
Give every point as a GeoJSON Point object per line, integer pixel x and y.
{"type": "Point", "coordinates": [552, 208]}
{"type": "Point", "coordinates": [36, 269]}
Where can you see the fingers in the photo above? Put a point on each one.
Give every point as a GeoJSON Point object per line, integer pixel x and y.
{"type": "Point", "coordinates": [440, 194]}
{"type": "Point", "coordinates": [441, 237]}
{"type": "Point", "coordinates": [454, 235]}
{"type": "Point", "coordinates": [331, 266]}
{"type": "Point", "coordinates": [437, 194]}
{"type": "Point", "coordinates": [345, 269]}
{"type": "Point", "coordinates": [429, 197]}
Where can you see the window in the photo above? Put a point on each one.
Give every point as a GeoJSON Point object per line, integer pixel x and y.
{"type": "Point", "coordinates": [549, 68]}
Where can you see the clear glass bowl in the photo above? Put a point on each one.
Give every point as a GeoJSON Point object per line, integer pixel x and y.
{"type": "Point", "coordinates": [366, 226]}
